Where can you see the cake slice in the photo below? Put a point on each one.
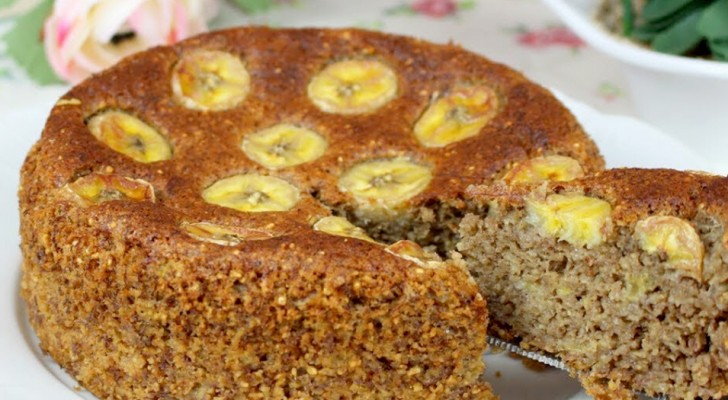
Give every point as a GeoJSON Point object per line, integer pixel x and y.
{"type": "Point", "coordinates": [622, 275]}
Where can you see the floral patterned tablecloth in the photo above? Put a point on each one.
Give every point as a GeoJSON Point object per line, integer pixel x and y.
{"type": "Point", "coordinates": [521, 33]}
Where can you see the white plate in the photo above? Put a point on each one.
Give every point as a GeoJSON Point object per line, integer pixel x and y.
{"type": "Point", "coordinates": [682, 96]}
{"type": "Point", "coordinates": [26, 374]}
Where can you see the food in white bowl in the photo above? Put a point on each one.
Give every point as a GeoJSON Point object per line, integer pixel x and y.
{"type": "Point", "coordinates": [686, 97]}
{"type": "Point", "coordinates": [680, 27]}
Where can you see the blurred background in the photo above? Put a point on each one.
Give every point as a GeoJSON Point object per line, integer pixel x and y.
{"type": "Point", "coordinates": [524, 34]}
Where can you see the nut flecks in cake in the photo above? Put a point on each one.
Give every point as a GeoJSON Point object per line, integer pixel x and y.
{"type": "Point", "coordinates": [548, 168]}
{"type": "Point", "coordinates": [98, 188]}
{"type": "Point", "coordinates": [284, 145]}
{"type": "Point", "coordinates": [68, 102]}
{"type": "Point", "coordinates": [574, 218]}
{"type": "Point", "coordinates": [222, 235]}
{"type": "Point", "coordinates": [252, 193]}
{"type": "Point", "coordinates": [385, 182]}
{"type": "Point", "coordinates": [353, 87]}
{"type": "Point", "coordinates": [677, 239]}
{"type": "Point", "coordinates": [456, 116]}
{"type": "Point", "coordinates": [210, 80]}
{"type": "Point", "coordinates": [340, 226]}
{"type": "Point", "coordinates": [130, 136]}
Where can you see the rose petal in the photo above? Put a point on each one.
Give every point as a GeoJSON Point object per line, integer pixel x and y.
{"type": "Point", "coordinates": [109, 15]}
{"type": "Point", "coordinates": [152, 21]}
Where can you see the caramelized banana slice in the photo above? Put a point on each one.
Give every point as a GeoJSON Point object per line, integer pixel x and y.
{"type": "Point", "coordinates": [252, 193]}
{"type": "Point", "coordinates": [225, 236]}
{"type": "Point", "coordinates": [548, 168]}
{"type": "Point", "coordinates": [353, 87]}
{"type": "Point", "coordinates": [98, 188]}
{"type": "Point", "coordinates": [675, 237]}
{"type": "Point", "coordinates": [284, 145]}
{"type": "Point", "coordinates": [386, 182]}
{"type": "Point", "coordinates": [210, 80]}
{"type": "Point", "coordinates": [412, 251]}
{"type": "Point", "coordinates": [458, 115]}
{"type": "Point", "coordinates": [341, 227]}
{"type": "Point", "coordinates": [130, 136]}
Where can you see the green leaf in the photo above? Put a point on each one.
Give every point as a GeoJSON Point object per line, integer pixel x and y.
{"type": "Point", "coordinates": [628, 19]}
{"type": "Point", "coordinates": [671, 19]}
{"type": "Point", "coordinates": [254, 6]}
{"type": "Point", "coordinates": [6, 3]}
{"type": "Point", "coordinates": [466, 5]}
{"type": "Point", "coordinates": [658, 9]}
{"type": "Point", "coordinates": [24, 44]}
{"type": "Point", "coordinates": [402, 9]}
{"type": "Point", "coordinates": [644, 33]}
{"type": "Point", "coordinates": [681, 37]}
{"type": "Point", "coordinates": [719, 47]}
{"type": "Point", "coordinates": [714, 22]}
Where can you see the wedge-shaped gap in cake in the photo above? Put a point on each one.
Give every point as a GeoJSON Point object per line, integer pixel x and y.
{"type": "Point", "coordinates": [253, 193]}
{"type": "Point", "coordinates": [210, 80]}
{"type": "Point", "coordinates": [129, 135]}
{"type": "Point", "coordinates": [457, 114]}
{"type": "Point", "coordinates": [382, 190]}
{"type": "Point", "coordinates": [353, 86]}
{"type": "Point", "coordinates": [433, 224]}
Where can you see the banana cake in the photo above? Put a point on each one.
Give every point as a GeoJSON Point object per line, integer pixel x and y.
{"type": "Point", "coordinates": [622, 275]}
{"type": "Point", "coordinates": [257, 213]}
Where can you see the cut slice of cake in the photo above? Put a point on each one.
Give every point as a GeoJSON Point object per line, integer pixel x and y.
{"type": "Point", "coordinates": [622, 275]}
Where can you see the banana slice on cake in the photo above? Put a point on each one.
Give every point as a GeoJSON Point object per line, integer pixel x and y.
{"type": "Point", "coordinates": [353, 87]}
{"type": "Point", "coordinates": [548, 168]}
{"type": "Point", "coordinates": [676, 238]}
{"type": "Point", "coordinates": [222, 235]}
{"type": "Point", "coordinates": [458, 115]}
{"type": "Point", "coordinates": [210, 80]}
{"type": "Point", "coordinates": [130, 136]}
{"type": "Point", "coordinates": [284, 145]}
{"type": "Point", "coordinates": [99, 188]}
{"type": "Point", "coordinates": [574, 218]}
{"type": "Point", "coordinates": [340, 226]}
{"type": "Point", "coordinates": [385, 182]}
{"type": "Point", "coordinates": [252, 193]}
{"type": "Point", "coordinates": [412, 251]}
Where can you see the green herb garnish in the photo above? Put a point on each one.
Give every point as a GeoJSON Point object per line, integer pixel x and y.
{"type": "Point", "coordinates": [681, 27]}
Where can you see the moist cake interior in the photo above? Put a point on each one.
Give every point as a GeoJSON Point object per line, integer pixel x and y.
{"type": "Point", "coordinates": [619, 313]}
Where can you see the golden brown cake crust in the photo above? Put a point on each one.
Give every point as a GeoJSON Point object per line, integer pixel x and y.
{"type": "Point", "coordinates": [134, 307]}
{"type": "Point", "coordinates": [634, 193]}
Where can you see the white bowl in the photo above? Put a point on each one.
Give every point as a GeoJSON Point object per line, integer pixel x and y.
{"type": "Point", "coordinates": [685, 97]}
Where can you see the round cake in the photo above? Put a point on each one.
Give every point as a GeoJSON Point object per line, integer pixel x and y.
{"type": "Point", "coordinates": [262, 213]}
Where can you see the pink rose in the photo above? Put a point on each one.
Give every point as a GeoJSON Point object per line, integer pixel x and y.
{"type": "Point", "coordinates": [554, 36]}
{"type": "Point", "coordinates": [435, 8]}
{"type": "Point", "coordinates": [82, 37]}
